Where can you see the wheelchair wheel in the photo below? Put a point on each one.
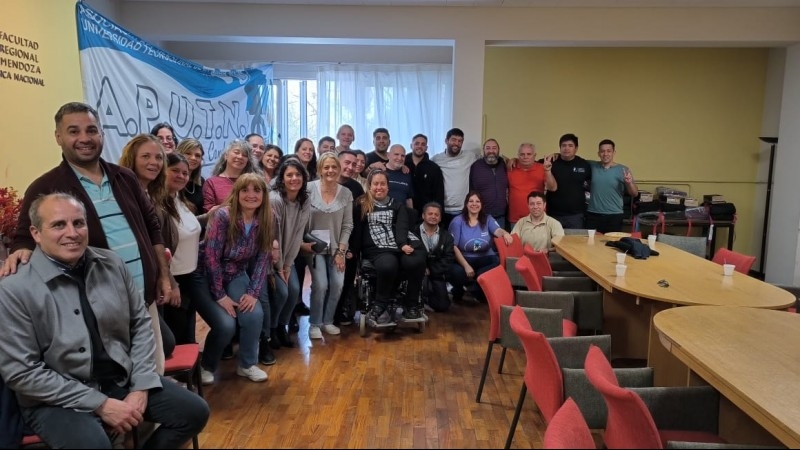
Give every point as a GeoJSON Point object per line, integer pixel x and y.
{"type": "Point", "coordinates": [362, 325]}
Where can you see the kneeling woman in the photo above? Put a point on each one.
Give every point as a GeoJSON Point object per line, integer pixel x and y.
{"type": "Point", "coordinates": [237, 257]}
{"type": "Point", "coordinates": [382, 225]}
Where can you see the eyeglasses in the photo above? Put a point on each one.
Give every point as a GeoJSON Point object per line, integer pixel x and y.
{"type": "Point", "coordinates": [663, 283]}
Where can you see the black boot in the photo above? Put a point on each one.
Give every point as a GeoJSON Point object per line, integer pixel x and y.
{"type": "Point", "coordinates": [265, 355]}
{"type": "Point", "coordinates": [283, 337]}
{"type": "Point", "coordinates": [274, 342]}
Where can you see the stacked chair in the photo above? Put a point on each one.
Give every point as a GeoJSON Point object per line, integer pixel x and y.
{"type": "Point", "coordinates": [568, 429]}
{"type": "Point", "coordinates": [552, 315]}
{"type": "Point", "coordinates": [588, 314]}
{"type": "Point", "coordinates": [651, 417]}
{"type": "Point", "coordinates": [554, 372]}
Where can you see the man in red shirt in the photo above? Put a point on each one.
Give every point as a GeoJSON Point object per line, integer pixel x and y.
{"type": "Point", "coordinates": [525, 177]}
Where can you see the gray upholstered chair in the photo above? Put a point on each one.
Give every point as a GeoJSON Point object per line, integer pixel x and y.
{"type": "Point", "coordinates": [696, 245]}
{"type": "Point", "coordinates": [554, 372]}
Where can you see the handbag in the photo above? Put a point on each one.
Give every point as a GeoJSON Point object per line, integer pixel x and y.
{"type": "Point", "coordinates": [319, 246]}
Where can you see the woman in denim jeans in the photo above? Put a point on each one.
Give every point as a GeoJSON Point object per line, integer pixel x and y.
{"type": "Point", "coordinates": [331, 220]}
{"type": "Point", "coordinates": [237, 258]}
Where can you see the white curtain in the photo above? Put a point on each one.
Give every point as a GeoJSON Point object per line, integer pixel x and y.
{"type": "Point", "coordinates": [405, 99]}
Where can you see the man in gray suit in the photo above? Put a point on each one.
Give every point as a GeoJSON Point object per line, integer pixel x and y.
{"type": "Point", "coordinates": [78, 348]}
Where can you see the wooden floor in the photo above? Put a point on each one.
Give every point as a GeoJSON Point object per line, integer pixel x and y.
{"type": "Point", "coordinates": [403, 389]}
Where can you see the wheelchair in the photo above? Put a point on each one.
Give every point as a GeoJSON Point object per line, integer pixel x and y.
{"type": "Point", "coordinates": [365, 281]}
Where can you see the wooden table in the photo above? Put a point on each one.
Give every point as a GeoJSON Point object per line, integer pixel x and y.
{"type": "Point", "coordinates": [750, 356]}
{"type": "Point", "coordinates": [630, 302]}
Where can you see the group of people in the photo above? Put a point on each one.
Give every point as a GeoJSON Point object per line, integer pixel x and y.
{"type": "Point", "coordinates": [234, 248]}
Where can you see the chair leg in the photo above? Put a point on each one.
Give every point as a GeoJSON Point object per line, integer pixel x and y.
{"type": "Point", "coordinates": [483, 374]}
{"type": "Point", "coordinates": [502, 360]}
{"type": "Point", "coordinates": [513, 428]}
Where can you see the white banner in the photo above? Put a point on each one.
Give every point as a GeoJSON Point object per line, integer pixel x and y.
{"type": "Point", "coordinates": [135, 85]}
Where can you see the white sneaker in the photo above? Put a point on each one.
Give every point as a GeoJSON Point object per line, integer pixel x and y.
{"type": "Point", "coordinates": [206, 377]}
{"type": "Point", "coordinates": [331, 329]}
{"type": "Point", "coordinates": [253, 373]}
{"type": "Point", "coordinates": [314, 332]}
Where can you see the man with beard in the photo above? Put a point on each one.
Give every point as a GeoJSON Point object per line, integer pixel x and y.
{"type": "Point", "coordinates": [119, 214]}
{"type": "Point", "coordinates": [428, 182]}
{"type": "Point", "coordinates": [455, 165]}
{"type": "Point", "coordinates": [378, 158]}
{"type": "Point", "coordinates": [488, 176]}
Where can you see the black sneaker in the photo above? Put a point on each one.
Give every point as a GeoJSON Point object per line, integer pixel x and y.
{"type": "Point", "coordinates": [412, 313]}
{"type": "Point", "coordinates": [375, 315]}
{"type": "Point", "coordinates": [343, 319]}
{"type": "Point", "coordinates": [265, 355]}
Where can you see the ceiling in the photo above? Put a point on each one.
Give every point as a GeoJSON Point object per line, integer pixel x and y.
{"type": "Point", "coordinates": [520, 3]}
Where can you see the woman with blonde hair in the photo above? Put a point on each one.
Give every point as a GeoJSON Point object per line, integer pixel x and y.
{"type": "Point", "coordinates": [144, 155]}
{"type": "Point", "coordinates": [332, 221]}
{"type": "Point", "coordinates": [237, 256]}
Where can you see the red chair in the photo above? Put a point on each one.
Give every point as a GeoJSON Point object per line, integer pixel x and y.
{"type": "Point", "coordinates": [689, 414]}
{"type": "Point", "coordinates": [525, 268]}
{"type": "Point", "coordinates": [554, 370]}
{"type": "Point", "coordinates": [185, 364]}
{"type": "Point", "coordinates": [504, 251]}
{"type": "Point", "coordinates": [501, 297]}
{"type": "Point", "coordinates": [568, 429]}
{"type": "Point", "coordinates": [742, 262]}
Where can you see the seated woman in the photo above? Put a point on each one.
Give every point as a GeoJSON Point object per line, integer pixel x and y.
{"type": "Point", "coordinates": [472, 232]}
{"type": "Point", "coordinates": [237, 256]}
{"type": "Point", "coordinates": [383, 227]}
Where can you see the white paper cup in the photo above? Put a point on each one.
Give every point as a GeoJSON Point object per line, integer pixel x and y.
{"type": "Point", "coordinates": [620, 258]}
{"type": "Point", "coordinates": [727, 269]}
{"type": "Point", "coordinates": [591, 233]}
{"type": "Point", "coordinates": [651, 241]}
{"type": "Point", "coordinates": [621, 269]}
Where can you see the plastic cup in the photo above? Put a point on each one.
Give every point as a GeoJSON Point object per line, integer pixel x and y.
{"type": "Point", "coordinates": [651, 241]}
{"type": "Point", "coordinates": [620, 258]}
{"type": "Point", "coordinates": [591, 234]}
{"type": "Point", "coordinates": [727, 269]}
{"type": "Point", "coordinates": [621, 269]}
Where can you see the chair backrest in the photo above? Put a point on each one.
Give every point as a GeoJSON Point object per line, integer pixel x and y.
{"type": "Point", "coordinates": [568, 429]}
{"type": "Point", "coordinates": [542, 372]}
{"type": "Point", "coordinates": [503, 250]}
{"type": "Point", "coordinates": [540, 261]}
{"type": "Point", "coordinates": [525, 268]}
{"type": "Point", "coordinates": [498, 290]}
{"type": "Point", "coordinates": [742, 262]}
{"type": "Point", "coordinates": [695, 245]}
{"type": "Point", "coordinates": [629, 423]}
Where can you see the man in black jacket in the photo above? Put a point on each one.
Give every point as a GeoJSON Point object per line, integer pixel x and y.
{"type": "Point", "coordinates": [441, 254]}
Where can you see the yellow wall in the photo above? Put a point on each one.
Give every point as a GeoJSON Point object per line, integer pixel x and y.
{"type": "Point", "coordinates": [682, 117]}
{"type": "Point", "coordinates": [26, 116]}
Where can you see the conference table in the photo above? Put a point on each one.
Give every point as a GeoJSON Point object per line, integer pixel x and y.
{"type": "Point", "coordinates": [630, 302]}
{"type": "Point", "coordinates": [750, 356]}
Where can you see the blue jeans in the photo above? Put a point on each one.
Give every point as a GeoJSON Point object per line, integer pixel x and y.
{"type": "Point", "coordinates": [181, 413]}
{"type": "Point", "coordinates": [222, 326]}
{"type": "Point", "coordinates": [458, 277]}
{"type": "Point", "coordinates": [326, 287]}
{"type": "Point", "coordinates": [283, 299]}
